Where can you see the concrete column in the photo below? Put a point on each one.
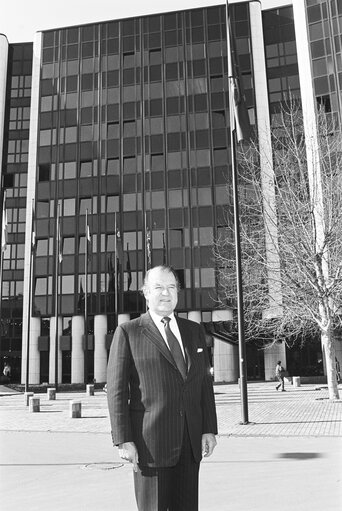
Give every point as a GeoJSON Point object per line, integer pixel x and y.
{"type": "Point", "coordinates": [100, 352]}
{"type": "Point", "coordinates": [195, 316]}
{"type": "Point", "coordinates": [226, 361]}
{"type": "Point", "coordinates": [52, 355]}
{"type": "Point", "coordinates": [30, 196]}
{"type": "Point", "coordinates": [3, 79]}
{"type": "Point", "coordinates": [338, 354]}
{"type": "Point", "coordinates": [77, 353]}
{"type": "Point", "coordinates": [266, 162]}
{"type": "Point", "coordinates": [271, 356]}
{"type": "Point", "coordinates": [34, 355]}
{"type": "Point", "coordinates": [122, 318]}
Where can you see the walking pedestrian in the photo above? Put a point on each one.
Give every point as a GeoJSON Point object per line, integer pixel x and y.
{"type": "Point", "coordinates": [280, 373]}
{"type": "Point", "coordinates": [160, 398]}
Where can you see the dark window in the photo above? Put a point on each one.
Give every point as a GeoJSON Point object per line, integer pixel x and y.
{"type": "Point", "coordinates": [44, 172]}
{"type": "Point", "coordinates": [128, 76]}
{"type": "Point", "coordinates": [156, 107]}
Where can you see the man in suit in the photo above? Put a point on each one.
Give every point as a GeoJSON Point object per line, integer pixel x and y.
{"type": "Point", "coordinates": [161, 400]}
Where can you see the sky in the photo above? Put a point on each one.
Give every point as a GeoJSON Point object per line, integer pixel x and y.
{"type": "Point", "coordinates": [20, 19]}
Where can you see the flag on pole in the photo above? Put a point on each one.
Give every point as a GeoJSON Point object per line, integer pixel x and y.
{"type": "Point", "coordinates": [119, 247]}
{"type": "Point", "coordinates": [33, 230]}
{"type": "Point", "coordinates": [111, 275]}
{"type": "Point", "coordinates": [59, 238]}
{"type": "Point", "coordinates": [80, 303]}
{"type": "Point", "coordinates": [164, 250]}
{"type": "Point", "coordinates": [4, 227]}
{"type": "Point", "coordinates": [148, 248]}
{"type": "Point", "coordinates": [88, 239]}
{"type": "Point", "coordinates": [129, 271]}
{"type": "Point", "coordinates": [237, 95]}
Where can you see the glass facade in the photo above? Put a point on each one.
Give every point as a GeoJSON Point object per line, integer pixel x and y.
{"type": "Point", "coordinates": [14, 184]}
{"type": "Point", "coordinates": [281, 57]}
{"type": "Point", "coordinates": [325, 36]}
{"type": "Point", "coordinates": [133, 129]}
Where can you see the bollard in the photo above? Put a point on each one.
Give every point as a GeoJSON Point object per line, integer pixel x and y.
{"type": "Point", "coordinates": [75, 409]}
{"type": "Point", "coordinates": [90, 389]}
{"type": "Point", "coordinates": [27, 396]}
{"type": "Point", "coordinates": [51, 393]}
{"type": "Point", "coordinates": [34, 404]}
{"type": "Point", "coordinates": [296, 381]}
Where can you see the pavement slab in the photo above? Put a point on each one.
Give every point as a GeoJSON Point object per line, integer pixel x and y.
{"type": "Point", "coordinates": [288, 457]}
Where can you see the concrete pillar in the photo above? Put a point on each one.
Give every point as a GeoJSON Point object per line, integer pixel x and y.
{"type": "Point", "coordinates": [266, 162]}
{"type": "Point", "coordinates": [52, 355]}
{"type": "Point", "coordinates": [34, 355]}
{"type": "Point", "coordinates": [100, 352]}
{"type": "Point", "coordinates": [51, 394]}
{"type": "Point", "coordinates": [195, 316]}
{"type": "Point", "coordinates": [90, 389]}
{"type": "Point", "coordinates": [34, 404]}
{"type": "Point", "coordinates": [296, 381]}
{"type": "Point", "coordinates": [77, 353]}
{"type": "Point", "coordinates": [122, 318]}
{"type": "Point", "coordinates": [3, 79]}
{"type": "Point", "coordinates": [338, 354]}
{"type": "Point", "coordinates": [75, 409]}
{"type": "Point", "coordinates": [30, 196]}
{"type": "Point", "coordinates": [226, 362]}
{"type": "Point", "coordinates": [271, 357]}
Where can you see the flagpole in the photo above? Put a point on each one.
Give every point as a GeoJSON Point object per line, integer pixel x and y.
{"type": "Point", "coordinates": [241, 331]}
{"type": "Point", "coordinates": [116, 272]}
{"type": "Point", "coordinates": [57, 263]}
{"type": "Point", "coordinates": [86, 302]}
{"type": "Point", "coordinates": [27, 376]}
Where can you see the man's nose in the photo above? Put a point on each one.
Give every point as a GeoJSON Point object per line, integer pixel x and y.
{"type": "Point", "coordinates": [165, 291]}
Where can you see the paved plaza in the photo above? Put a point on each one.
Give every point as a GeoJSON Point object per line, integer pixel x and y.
{"type": "Point", "coordinates": [288, 456]}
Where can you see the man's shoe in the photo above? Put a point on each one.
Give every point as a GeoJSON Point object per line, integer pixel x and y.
{"type": "Point", "coordinates": [277, 388]}
{"type": "Point", "coordinates": [283, 390]}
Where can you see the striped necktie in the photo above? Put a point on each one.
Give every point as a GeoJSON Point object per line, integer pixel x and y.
{"type": "Point", "coordinates": [175, 348]}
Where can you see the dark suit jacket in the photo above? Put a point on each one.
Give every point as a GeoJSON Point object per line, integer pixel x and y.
{"type": "Point", "coordinates": [148, 399]}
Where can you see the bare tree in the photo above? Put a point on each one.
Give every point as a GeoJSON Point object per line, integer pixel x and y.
{"type": "Point", "coordinates": [291, 237]}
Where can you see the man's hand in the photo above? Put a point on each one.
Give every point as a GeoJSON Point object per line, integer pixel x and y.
{"type": "Point", "coordinates": [208, 444]}
{"type": "Point", "coordinates": [128, 451]}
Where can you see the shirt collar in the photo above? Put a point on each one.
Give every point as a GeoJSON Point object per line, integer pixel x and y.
{"type": "Point", "coordinates": [157, 318]}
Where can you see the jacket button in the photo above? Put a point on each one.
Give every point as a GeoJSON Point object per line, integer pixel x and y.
{"type": "Point", "coordinates": [181, 413]}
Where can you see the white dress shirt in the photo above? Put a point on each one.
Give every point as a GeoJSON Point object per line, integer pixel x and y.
{"type": "Point", "coordinates": [157, 320]}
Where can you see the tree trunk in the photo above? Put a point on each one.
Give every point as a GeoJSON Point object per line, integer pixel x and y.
{"type": "Point", "coordinates": [328, 348]}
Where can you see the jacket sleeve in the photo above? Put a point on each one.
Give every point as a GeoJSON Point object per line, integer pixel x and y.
{"type": "Point", "coordinates": [118, 371]}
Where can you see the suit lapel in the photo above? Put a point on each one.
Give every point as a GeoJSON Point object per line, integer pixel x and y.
{"type": "Point", "coordinates": [152, 334]}
{"type": "Point", "coordinates": [186, 337]}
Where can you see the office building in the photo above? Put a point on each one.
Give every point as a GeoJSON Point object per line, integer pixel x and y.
{"type": "Point", "coordinates": [115, 156]}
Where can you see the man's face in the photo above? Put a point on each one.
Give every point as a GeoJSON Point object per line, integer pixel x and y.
{"type": "Point", "coordinates": [161, 293]}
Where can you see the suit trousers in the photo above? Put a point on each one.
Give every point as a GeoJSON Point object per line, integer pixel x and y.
{"type": "Point", "coordinates": [169, 488]}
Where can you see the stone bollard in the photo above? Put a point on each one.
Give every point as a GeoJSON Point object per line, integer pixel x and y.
{"type": "Point", "coordinates": [296, 381]}
{"type": "Point", "coordinates": [27, 396]}
{"type": "Point", "coordinates": [51, 393]}
{"type": "Point", "coordinates": [90, 390]}
{"type": "Point", "coordinates": [34, 404]}
{"type": "Point", "coordinates": [75, 409]}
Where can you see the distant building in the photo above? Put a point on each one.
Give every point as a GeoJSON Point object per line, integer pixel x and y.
{"type": "Point", "coordinates": [126, 121]}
